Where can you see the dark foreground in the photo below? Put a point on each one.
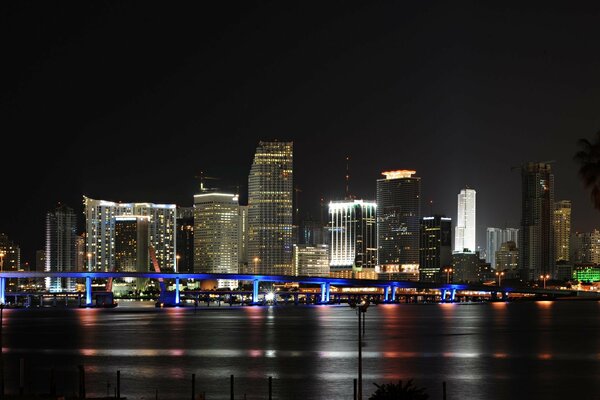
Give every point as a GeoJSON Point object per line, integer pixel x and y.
{"type": "Point", "coordinates": [541, 350]}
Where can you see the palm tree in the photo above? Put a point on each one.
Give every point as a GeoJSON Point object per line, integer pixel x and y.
{"type": "Point", "coordinates": [397, 391]}
{"type": "Point", "coordinates": [589, 170]}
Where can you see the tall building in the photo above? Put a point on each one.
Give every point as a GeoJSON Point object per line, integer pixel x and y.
{"type": "Point", "coordinates": [465, 267]}
{"type": "Point", "coordinates": [311, 260]}
{"type": "Point", "coordinates": [270, 209]}
{"type": "Point", "coordinates": [10, 254]}
{"type": "Point", "coordinates": [353, 236]}
{"type": "Point", "coordinates": [494, 239]}
{"type": "Point", "coordinates": [185, 239]}
{"type": "Point", "coordinates": [132, 249]}
{"type": "Point", "coordinates": [243, 241]}
{"type": "Point", "coordinates": [40, 261]}
{"type": "Point", "coordinates": [435, 247]}
{"type": "Point", "coordinates": [216, 235]}
{"type": "Point", "coordinates": [312, 232]}
{"type": "Point", "coordinates": [465, 224]}
{"type": "Point", "coordinates": [562, 229]}
{"type": "Point", "coordinates": [61, 247]}
{"type": "Point", "coordinates": [585, 247]}
{"type": "Point", "coordinates": [507, 257]}
{"type": "Point", "coordinates": [398, 222]}
{"type": "Point", "coordinates": [100, 218]}
{"type": "Point", "coordinates": [536, 239]}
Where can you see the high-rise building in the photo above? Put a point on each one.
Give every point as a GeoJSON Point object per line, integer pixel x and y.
{"type": "Point", "coordinates": [216, 235]}
{"type": "Point", "coordinates": [185, 239]}
{"type": "Point", "coordinates": [132, 249]}
{"type": "Point", "coordinates": [536, 238]}
{"type": "Point", "coordinates": [398, 223]}
{"type": "Point", "coordinates": [40, 261]}
{"type": "Point", "coordinates": [100, 216]}
{"type": "Point", "coordinates": [507, 257]}
{"type": "Point", "coordinates": [312, 232]}
{"type": "Point", "coordinates": [353, 236]}
{"type": "Point", "coordinates": [311, 260]}
{"type": "Point", "coordinates": [465, 267]}
{"type": "Point", "coordinates": [465, 224]}
{"type": "Point", "coordinates": [562, 229]}
{"type": "Point", "coordinates": [61, 247]}
{"type": "Point", "coordinates": [243, 241]}
{"type": "Point", "coordinates": [494, 239]}
{"type": "Point", "coordinates": [436, 247]}
{"type": "Point", "coordinates": [585, 247]}
{"type": "Point", "coordinates": [80, 256]}
{"type": "Point", "coordinates": [10, 254]}
{"type": "Point", "coordinates": [270, 208]}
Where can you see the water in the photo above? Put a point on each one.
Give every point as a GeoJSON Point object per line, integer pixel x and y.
{"type": "Point", "coordinates": [529, 350]}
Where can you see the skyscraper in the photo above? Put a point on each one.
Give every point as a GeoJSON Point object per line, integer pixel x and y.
{"type": "Point", "coordinates": [585, 247]}
{"type": "Point", "coordinates": [270, 209]}
{"type": "Point", "coordinates": [465, 224]}
{"type": "Point", "coordinates": [131, 244]}
{"type": "Point", "coordinates": [507, 257]}
{"type": "Point", "coordinates": [243, 241]}
{"type": "Point", "coordinates": [536, 239]}
{"type": "Point", "coordinates": [100, 218]}
{"type": "Point", "coordinates": [435, 248]}
{"type": "Point", "coordinates": [398, 222]}
{"type": "Point", "coordinates": [10, 254]}
{"type": "Point", "coordinates": [494, 239]}
{"type": "Point", "coordinates": [311, 260]}
{"type": "Point", "coordinates": [562, 229]}
{"type": "Point", "coordinates": [216, 235]}
{"type": "Point", "coordinates": [353, 236]}
{"type": "Point", "coordinates": [61, 247]}
{"type": "Point", "coordinates": [185, 239]}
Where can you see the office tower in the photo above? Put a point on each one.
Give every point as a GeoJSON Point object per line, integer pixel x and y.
{"type": "Point", "coordinates": [536, 239]}
{"type": "Point", "coordinates": [132, 244]}
{"type": "Point", "coordinates": [398, 223]}
{"type": "Point", "coordinates": [216, 235]}
{"type": "Point", "coordinates": [435, 248]}
{"type": "Point", "coordinates": [494, 239]}
{"type": "Point", "coordinates": [243, 241]}
{"type": "Point", "coordinates": [270, 196]}
{"type": "Point", "coordinates": [562, 229]}
{"type": "Point", "coordinates": [465, 267]}
{"type": "Point", "coordinates": [100, 218]}
{"type": "Point", "coordinates": [353, 237]}
{"type": "Point", "coordinates": [311, 260]}
{"type": "Point", "coordinates": [465, 223]}
{"type": "Point", "coordinates": [80, 255]}
{"type": "Point", "coordinates": [61, 247]}
{"type": "Point", "coordinates": [10, 254]}
{"type": "Point", "coordinates": [507, 257]}
{"type": "Point", "coordinates": [585, 247]}
{"type": "Point", "coordinates": [312, 232]}
{"type": "Point", "coordinates": [40, 261]}
{"type": "Point", "coordinates": [185, 239]}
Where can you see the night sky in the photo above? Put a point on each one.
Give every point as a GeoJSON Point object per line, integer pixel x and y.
{"type": "Point", "coordinates": [133, 100]}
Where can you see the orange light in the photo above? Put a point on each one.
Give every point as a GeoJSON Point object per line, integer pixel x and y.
{"type": "Point", "coordinates": [401, 173]}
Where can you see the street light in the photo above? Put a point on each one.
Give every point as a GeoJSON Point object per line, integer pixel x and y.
{"type": "Point", "coordinates": [361, 309]}
{"type": "Point", "coordinates": [499, 275]}
{"type": "Point", "coordinates": [256, 260]}
{"type": "Point", "coordinates": [545, 278]}
{"type": "Point", "coordinates": [177, 257]}
{"type": "Point", "coordinates": [89, 258]}
{"type": "Point", "coordinates": [448, 271]}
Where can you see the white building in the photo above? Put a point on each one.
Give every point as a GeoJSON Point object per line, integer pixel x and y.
{"type": "Point", "coordinates": [311, 260]}
{"type": "Point", "coordinates": [216, 235]}
{"type": "Point", "coordinates": [495, 237]}
{"type": "Point", "coordinates": [465, 223]}
{"type": "Point", "coordinates": [100, 218]}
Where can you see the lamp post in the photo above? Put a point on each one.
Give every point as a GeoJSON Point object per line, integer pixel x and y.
{"type": "Point", "coordinates": [499, 275]}
{"type": "Point", "coordinates": [448, 271]}
{"type": "Point", "coordinates": [256, 260]}
{"type": "Point", "coordinates": [89, 261]}
{"type": "Point", "coordinates": [545, 278]}
{"type": "Point", "coordinates": [361, 308]}
{"type": "Point", "coordinates": [177, 257]}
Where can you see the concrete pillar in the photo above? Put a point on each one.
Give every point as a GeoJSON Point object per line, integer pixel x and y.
{"type": "Point", "coordinates": [452, 295]}
{"type": "Point", "coordinates": [444, 295]}
{"type": "Point", "coordinates": [177, 291]}
{"type": "Point", "coordinates": [327, 291]}
{"type": "Point", "coordinates": [386, 295]}
{"type": "Point", "coordinates": [393, 293]}
{"type": "Point", "coordinates": [255, 292]}
{"type": "Point", "coordinates": [2, 290]}
{"type": "Point", "coordinates": [323, 292]}
{"type": "Point", "coordinates": [88, 291]}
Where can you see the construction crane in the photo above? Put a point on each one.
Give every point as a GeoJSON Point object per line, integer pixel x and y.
{"type": "Point", "coordinates": [539, 162]}
{"type": "Point", "coordinates": [204, 178]}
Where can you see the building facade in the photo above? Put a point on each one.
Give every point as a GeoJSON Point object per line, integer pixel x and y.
{"type": "Point", "coordinates": [132, 248]}
{"type": "Point", "coordinates": [465, 235]}
{"type": "Point", "coordinates": [185, 239]}
{"type": "Point", "coordinates": [270, 208]}
{"type": "Point", "coordinates": [536, 238]}
{"type": "Point", "coordinates": [101, 216]}
{"type": "Point", "coordinates": [398, 223]}
{"type": "Point", "coordinates": [216, 235]}
{"type": "Point", "coordinates": [585, 247]}
{"type": "Point", "coordinates": [311, 260]}
{"type": "Point", "coordinates": [61, 247]}
{"type": "Point", "coordinates": [10, 254]}
{"type": "Point", "coordinates": [507, 257]}
{"type": "Point", "coordinates": [494, 239]}
{"type": "Point", "coordinates": [435, 247]}
{"type": "Point", "coordinates": [562, 229]}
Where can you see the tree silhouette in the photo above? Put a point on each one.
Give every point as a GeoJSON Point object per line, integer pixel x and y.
{"type": "Point", "coordinates": [589, 167]}
{"type": "Point", "coordinates": [397, 391]}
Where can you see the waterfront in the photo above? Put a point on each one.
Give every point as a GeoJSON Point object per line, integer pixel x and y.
{"type": "Point", "coordinates": [497, 350]}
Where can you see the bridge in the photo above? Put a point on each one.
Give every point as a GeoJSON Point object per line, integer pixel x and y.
{"type": "Point", "coordinates": [389, 287]}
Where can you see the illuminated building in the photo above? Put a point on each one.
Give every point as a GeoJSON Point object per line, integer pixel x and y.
{"type": "Point", "coordinates": [61, 247]}
{"type": "Point", "coordinates": [80, 257]}
{"type": "Point", "coordinates": [585, 247]}
{"type": "Point", "coordinates": [435, 247]}
{"type": "Point", "coordinates": [312, 232]}
{"type": "Point", "coordinates": [185, 239]}
{"type": "Point", "coordinates": [100, 216]}
{"type": "Point", "coordinates": [353, 236]}
{"type": "Point", "coordinates": [562, 229]}
{"type": "Point", "coordinates": [10, 254]}
{"type": "Point", "coordinates": [131, 244]}
{"type": "Point", "coordinates": [270, 209]}
{"type": "Point", "coordinates": [465, 223]}
{"type": "Point", "coordinates": [311, 260]}
{"type": "Point", "coordinates": [398, 224]}
{"type": "Point", "coordinates": [507, 257]}
{"type": "Point", "coordinates": [465, 267]}
{"type": "Point", "coordinates": [587, 273]}
{"type": "Point", "coordinates": [216, 235]}
{"type": "Point", "coordinates": [494, 239]}
{"type": "Point", "coordinates": [536, 238]}
{"type": "Point", "coordinates": [243, 241]}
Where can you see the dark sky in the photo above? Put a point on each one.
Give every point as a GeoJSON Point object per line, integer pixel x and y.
{"type": "Point", "coordinates": [133, 100]}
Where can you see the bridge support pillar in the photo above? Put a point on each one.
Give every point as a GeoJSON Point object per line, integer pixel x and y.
{"type": "Point", "coordinates": [393, 288]}
{"type": "Point", "coordinates": [387, 294]}
{"type": "Point", "coordinates": [453, 295]}
{"type": "Point", "coordinates": [255, 291]}
{"type": "Point", "coordinates": [444, 292]}
{"type": "Point", "coordinates": [2, 290]}
{"type": "Point", "coordinates": [88, 291]}
{"type": "Point", "coordinates": [494, 296]}
{"type": "Point", "coordinates": [505, 296]}
{"type": "Point", "coordinates": [323, 289]}
{"type": "Point", "coordinates": [327, 292]}
{"type": "Point", "coordinates": [177, 294]}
